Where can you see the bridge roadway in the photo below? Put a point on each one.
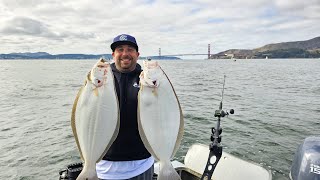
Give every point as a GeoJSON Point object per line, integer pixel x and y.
{"type": "Point", "coordinates": [184, 54]}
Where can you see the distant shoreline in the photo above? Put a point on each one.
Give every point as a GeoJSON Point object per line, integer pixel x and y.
{"type": "Point", "coordinates": [154, 59]}
{"type": "Point", "coordinates": [285, 50]}
{"type": "Point", "coordinates": [47, 56]}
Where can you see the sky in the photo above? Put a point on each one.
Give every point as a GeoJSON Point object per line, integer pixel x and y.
{"type": "Point", "coordinates": [175, 26]}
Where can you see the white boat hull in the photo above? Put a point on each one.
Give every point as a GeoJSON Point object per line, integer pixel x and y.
{"type": "Point", "coordinates": [229, 167]}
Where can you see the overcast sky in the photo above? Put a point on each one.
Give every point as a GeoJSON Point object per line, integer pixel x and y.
{"type": "Point", "coordinates": [175, 26]}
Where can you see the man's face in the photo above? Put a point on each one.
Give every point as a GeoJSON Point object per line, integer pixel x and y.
{"type": "Point", "coordinates": [125, 58]}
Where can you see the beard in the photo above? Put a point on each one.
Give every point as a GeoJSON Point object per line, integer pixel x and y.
{"type": "Point", "coordinates": [126, 57]}
{"type": "Point", "coordinates": [125, 63]}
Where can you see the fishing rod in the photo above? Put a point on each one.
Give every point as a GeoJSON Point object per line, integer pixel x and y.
{"type": "Point", "coordinates": [215, 147]}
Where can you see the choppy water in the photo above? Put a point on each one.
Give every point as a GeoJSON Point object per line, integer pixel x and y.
{"type": "Point", "coordinates": [277, 105]}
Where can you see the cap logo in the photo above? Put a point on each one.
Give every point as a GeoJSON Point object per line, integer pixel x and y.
{"type": "Point", "coordinates": [123, 38]}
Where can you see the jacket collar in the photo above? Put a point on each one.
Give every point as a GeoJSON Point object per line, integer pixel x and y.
{"type": "Point", "coordinates": [137, 70]}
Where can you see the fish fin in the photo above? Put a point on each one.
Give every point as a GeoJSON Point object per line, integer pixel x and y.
{"type": "Point", "coordinates": [88, 173]}
{"type": "Point", "coordinates": [73, 120]}
{"type": "Point", "coordinates": [88, 79]}
{"type": "Point", "coordinates": [141, 74]}
{"type": "Point", "coordinates": [181, 127]}
{"type": "Point", "coordinates": [73, 113]}
{"type": "Point", "coordinates": [167, 172]}
{"type": "Point", "coordinates": [181, 130]}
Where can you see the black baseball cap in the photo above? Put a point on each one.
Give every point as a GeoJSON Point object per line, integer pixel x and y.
{"type": "Point", "coordinates": [124, 39]}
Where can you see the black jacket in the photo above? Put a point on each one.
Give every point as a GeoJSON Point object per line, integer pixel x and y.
{"type": "Point", "coordinates": [128, 144]}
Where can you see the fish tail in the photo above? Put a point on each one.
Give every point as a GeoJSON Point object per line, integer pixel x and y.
{"type": "Point", "coordinates": [167, 172]}
{"type": "Point", "coordinates": [88, 173]}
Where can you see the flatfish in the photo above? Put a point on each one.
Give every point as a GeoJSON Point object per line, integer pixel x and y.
{"type": "Point", "coordinates": [160, 118]}
{"type": "Point", "coordinates": [95, 118]}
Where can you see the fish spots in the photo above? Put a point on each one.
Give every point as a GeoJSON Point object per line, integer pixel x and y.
{"type": "Point", "coordinates": [155, 92]}
{"type": "Point", "coordinates": [95, 91]}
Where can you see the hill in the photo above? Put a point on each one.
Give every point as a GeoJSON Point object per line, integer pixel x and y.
{"type": "Point", "coordinates": [312, 44]}
{"type": "Point", "coordinates": [296, 49]}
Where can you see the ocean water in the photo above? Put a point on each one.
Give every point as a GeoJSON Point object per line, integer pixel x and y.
{"type": "Point", "coordinates": [276, 103]}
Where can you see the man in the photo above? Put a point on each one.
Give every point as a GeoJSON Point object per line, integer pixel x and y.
{"type": "Point", "coordinates": [127, 157]}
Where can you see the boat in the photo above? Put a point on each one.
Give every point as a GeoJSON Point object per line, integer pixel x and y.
{"type": "Point", "coordinates": [210, 162]}
{"type": "Point", "coordinates": [227, 168]}
{"type": "Point", "coordinates": [193, 166]}
{"type": "Point", "coordinates": [305, 165]}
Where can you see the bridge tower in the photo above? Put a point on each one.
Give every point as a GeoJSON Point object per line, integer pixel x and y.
{"type": "Point", "coordinates": [159, 53]}
{"type": "Point", "coordinates": [208, 51]}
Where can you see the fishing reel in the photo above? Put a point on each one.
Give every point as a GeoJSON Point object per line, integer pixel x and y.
{"type": "Point", "coordinates": [215, 147]}
{"type": "Point", "coordinates": [216, 136]}
{"type": "Point", "coordinates": [222, 113]}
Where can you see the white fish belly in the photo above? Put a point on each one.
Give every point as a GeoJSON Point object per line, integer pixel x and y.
{"type": "Point", "coordinates": [160, 116]}
{"type": "Point", "coordinates": [96, 120]}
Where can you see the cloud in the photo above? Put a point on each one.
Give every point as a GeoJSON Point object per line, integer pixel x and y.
{"type": "Point", "coordinates": [175, 26]}
{"type": "Point", "coordinates": [30, 27]}
{"type": "Point", "coordinates": [27, 26]}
